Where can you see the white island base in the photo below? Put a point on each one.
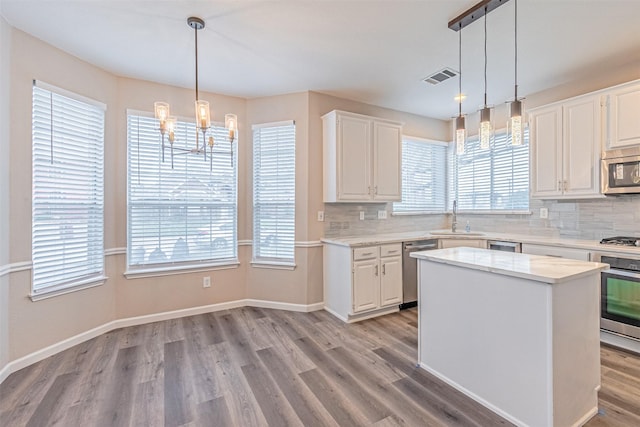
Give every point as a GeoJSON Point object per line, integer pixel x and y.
{"type": "Point", "coordinates": [518, 333]}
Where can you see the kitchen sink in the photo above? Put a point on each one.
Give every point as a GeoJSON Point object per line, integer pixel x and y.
{"type": "Point", "coordinates": [455, 233]}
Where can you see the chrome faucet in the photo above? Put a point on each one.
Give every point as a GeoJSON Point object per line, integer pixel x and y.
{"type": "Point", "coordinates": [454, 222]}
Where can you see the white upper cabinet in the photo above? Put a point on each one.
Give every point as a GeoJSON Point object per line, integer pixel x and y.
{"type": "Point", "coordinates": [362, 158]}
{"type": "Point", "coordinates": [623, 119]}
{"type": "Point", "coordinates": [565, 149]}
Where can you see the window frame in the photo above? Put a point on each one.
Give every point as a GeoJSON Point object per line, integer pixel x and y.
{"type": "Point", "coordinates": [445, 177]}
{"type": "Point", "coordinates": [92, 272]}
{"type": "Point", "coordinates": [453, 192]}
{"type": "Point", "coordinates": [172, 267]}
{"type": "Point", "coordinates": [274, 262]}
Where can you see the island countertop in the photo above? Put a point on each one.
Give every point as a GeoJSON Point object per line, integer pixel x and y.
{"type": "Point", "coordinates": [534, 267]}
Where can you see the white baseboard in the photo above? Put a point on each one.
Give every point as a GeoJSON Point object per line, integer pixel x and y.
{"type": "Point", "coordinates": [305, 308]}
{"type": "Point", "coordinates": [344, 319]}
{"type": "Point", "coordinates": [42, 354]}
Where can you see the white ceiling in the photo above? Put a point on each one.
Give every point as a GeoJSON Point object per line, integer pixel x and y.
{"type": "Point", "coordinates": [375, 52]}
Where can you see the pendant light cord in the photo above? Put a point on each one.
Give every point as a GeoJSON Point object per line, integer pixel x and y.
{"type": "Point", "coordinates": [460, 70]}
{"type": "Point", "coordinates": [485, 57]}
{"type": "Point", "coordinates": [196, 30]}
{"type": "Point", "coordinates": [516, 48]}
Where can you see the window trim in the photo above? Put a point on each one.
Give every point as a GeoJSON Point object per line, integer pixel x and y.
{"type": "Point", "coordinates": [88, 280]}
{"type": "Point", "coordinates": [452, 184]}
{"type": "Point", "coordinates": [180, 267]}
{"type": "Point", "coordinates": [270, 262]}
{"type": "Point", "coordinates": [410, 138]}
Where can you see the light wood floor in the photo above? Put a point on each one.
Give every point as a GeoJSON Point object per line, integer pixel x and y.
{"type": "Point", "coordinates": [258, 367]}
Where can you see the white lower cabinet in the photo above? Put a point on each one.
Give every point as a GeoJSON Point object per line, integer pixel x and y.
{"type": "Point", "coordinates": [361, 282]}
{"type": "Point", "coordinates": [469, 243]}
{"type": "Point", "coordinates": [556, 251]}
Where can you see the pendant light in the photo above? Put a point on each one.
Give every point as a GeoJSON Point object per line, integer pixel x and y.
{"type": "Point", "coordinates": [514, 124]}
{"type": "Point", "coordinates": [167, 123]}
{"type": "Point", "coordinates": [486, 128]}
{"type": "Point", "coordinates": [461, 131]}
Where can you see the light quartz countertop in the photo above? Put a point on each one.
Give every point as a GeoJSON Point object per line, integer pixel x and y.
{"type": "Point", "coordinates": [533, 267]}
{"type": "Point", "coordinates": [381, 239]}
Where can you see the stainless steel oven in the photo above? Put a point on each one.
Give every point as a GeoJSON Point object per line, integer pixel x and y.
{"type": "Point", "coordinates": [620, 295]}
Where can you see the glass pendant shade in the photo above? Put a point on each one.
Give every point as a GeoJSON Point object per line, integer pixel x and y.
{"type": "Point", "coordinates": [171, 128]}
{"type": "Point", "coordinates": [203, 119]}
{"type": "Point", "coordinates": [162, 114]}
{"type": "Point", "coordinates": [231, 123]}
{"type": "Point", "coordinates": [515, 124]}
{"type": "Point", "coordinates": [486, 128]}
{"type": "Point", "coordinates": [461, 135]}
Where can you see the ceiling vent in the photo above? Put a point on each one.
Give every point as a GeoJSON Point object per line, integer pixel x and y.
{"type": "Point", "coordinates": [441, 76]}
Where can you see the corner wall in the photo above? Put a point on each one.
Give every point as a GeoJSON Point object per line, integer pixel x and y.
{"type": "Point", "coordinates": [5, 123]}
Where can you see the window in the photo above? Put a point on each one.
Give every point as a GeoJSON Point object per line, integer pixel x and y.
{"type": "Point", "coordinates": [274, 182]}
{"type": "Point", "coordinates": [495, 179]}
{"type": "Point", "coordinates": [67, 235]}
{"type": "Point", "coordinates": [183, 216]}
{"type": "Point", "coordinates": [423, 176]}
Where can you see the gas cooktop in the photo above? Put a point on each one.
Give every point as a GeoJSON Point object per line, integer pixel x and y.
{"type": "Point", "coordinates": [621, 240]}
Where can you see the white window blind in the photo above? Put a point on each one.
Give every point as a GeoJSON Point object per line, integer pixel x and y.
{"type": "Point", "coordinates": [67, 241]}
{"type": "Point", "coordinates": [274, 192]}
{"type": "Point", "coordinates": [493, 179]}
{"type": "Point", "coordinates": [424, 168]}
{"type": "Point", "coordinates": [185, 215]}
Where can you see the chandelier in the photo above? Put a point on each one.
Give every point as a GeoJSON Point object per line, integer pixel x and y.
{"type": "Point", "coordinates": [167, 123]}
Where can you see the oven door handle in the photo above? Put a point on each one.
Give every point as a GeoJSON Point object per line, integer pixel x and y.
{"type": "Point", "coordinates": [623, 273]}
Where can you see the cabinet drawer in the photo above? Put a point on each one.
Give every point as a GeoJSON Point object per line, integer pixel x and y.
{"type": "Point", "coordinates": [391, 250]}
{"type": "Point", "coordinates": [365, 253]}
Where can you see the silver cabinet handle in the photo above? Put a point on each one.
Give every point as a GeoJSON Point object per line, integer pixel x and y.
{"type": "Point", "coordinates": [367, 253]}
{"type": "Point", "coordinates": [384, 270]}
{"type": "Point", "coordinates": [375, 190]}
{"type": "Point", "coordinates": [566, 185]}
{"type": "Point", "coordinates": [376, 270]}
{"type": "Point", "coordinates": [559, 185]}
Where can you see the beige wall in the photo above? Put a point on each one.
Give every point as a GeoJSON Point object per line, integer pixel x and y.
{"type": "Point", "coordinates": [5, 48]}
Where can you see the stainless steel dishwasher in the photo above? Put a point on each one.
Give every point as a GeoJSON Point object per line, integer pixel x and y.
{"type": "Point", "coordinates": [410, 270]}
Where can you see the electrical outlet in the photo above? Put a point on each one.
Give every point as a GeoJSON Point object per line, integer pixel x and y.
{"type": "Point", "coordinates": [206, 282]}
{"type": "Point", "coordinates": [544, 213]}
{"type": "Point", "coordinates": [361, 215]}
{"type": "Point", "coordinates": [382, 214]}
{"type": "Point", "coordinates": [321, 216]}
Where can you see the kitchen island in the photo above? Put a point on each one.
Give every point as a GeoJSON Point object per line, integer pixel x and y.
{"type": "Point", "coordinates": [518, 333]}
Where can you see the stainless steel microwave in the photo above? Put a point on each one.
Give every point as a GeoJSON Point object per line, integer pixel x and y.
{"type": "Point", "coordinates": [621, 171]}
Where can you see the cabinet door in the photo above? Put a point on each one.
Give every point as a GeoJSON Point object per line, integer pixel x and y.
{"type": "Point", "coordinates": [582, 145]}
{"type": "Point", "coordinates": [469, 243]}
{"type": "Point", "coordinates": [387, 157]}
{"type": "Point", "coordinates": [391, 281]}
{"type": "Point", "coordinates": [366, 285]}
{"type": "Point", "coordinates": [624, 117]}
{"type": "Point", "coordinates": [354, 158]}
{"type": "Point", "coordinates": [546, 152]}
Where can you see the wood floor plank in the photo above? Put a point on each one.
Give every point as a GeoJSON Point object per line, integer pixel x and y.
{"type": "Point", "coordinates": [49, 410]}
{"type": "Point", "coordinates": [287, 350]}
{"type": "Point", "coordinates": [243, 406]}
{"type": "Point", "coordinates": [372, 407]}
{"type": "Point", "coordinates": [273, 403]}
{"type": "Point", "coordinates": [214, 412]}
{"type": "Point", "coordinates": [240, 345]}
{"type": "Point", "coordinates": [308, 409]}
{"type": "Point", "coordinates": [406, 411]}
{"type": "Point", "coordinates": [119, 398]}
{"type": "Point", "coordinates": [177, 409]}
{"type": "Point", "coordinates": [149, 403]}
{"type": "Point", "coordinates": [333, 400]}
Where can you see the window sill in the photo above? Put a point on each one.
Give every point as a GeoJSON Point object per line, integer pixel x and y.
{"type": "Point", "coordinates": [493, 212]}
{"type": "Point", "coordinates": [274, 265]}
{"type": "Point", "coordinates": [55, 291]}
{"type": "Point", "coordinates": [139, 273]}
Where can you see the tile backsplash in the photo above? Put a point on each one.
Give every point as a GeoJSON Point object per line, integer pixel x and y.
{"type": "Point", "coordinates": [580, 219]}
